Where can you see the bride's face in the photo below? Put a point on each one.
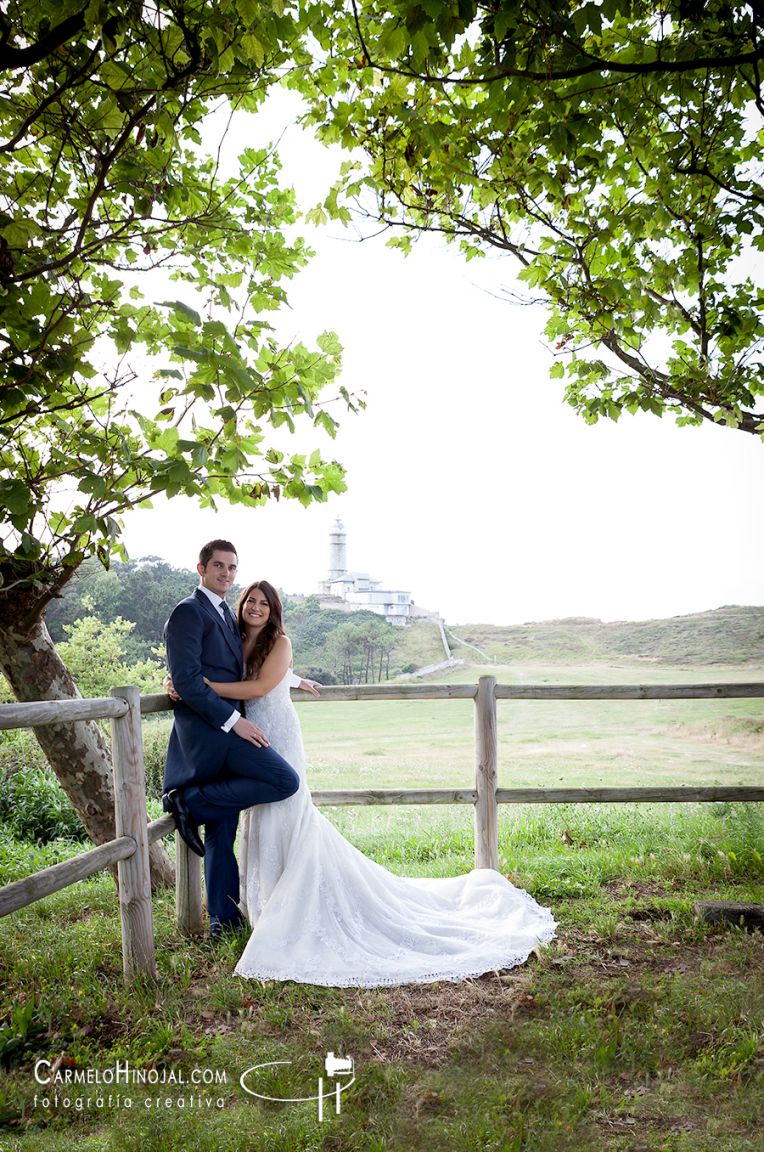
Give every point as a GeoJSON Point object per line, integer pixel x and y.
{"type": "Point", "coordinates": [256, 609]}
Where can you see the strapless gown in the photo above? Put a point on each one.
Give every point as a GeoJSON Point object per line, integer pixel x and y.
{"type": "Point", "coordinates": [323, 913]}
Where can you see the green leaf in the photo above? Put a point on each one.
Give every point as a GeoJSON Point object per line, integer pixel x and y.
{"type": "Point", "coordinates": [325, 421]}
{"type": "Point", "coordinates": [167, 441]}
{"type": "Point", "coordinates": [254, 48]}
{"type": "Point", "coordinates": [16, 497]}
{"type": "Point", "coordinates": [316, 216]}
{"type": "Point", "coordinates": [329, 343]}
{"type": "Point", "coordinates": [249, 10]}
{"type": "Point", "coordinates": [184, 310]}
{"type": "Point", "coordinates": [18, 233]}
{"type": "Point", "coordinates": [199, 355]}
{"type": "Point", "coordinates": [505, 19]}
{"type": "Point", "coordinates": [393, 41]}
{"type": "Point", "coordinates": [115, 76]}
{"type": "Point", "coordinates": [29, 547]}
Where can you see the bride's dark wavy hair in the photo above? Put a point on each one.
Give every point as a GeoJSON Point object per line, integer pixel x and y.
{"type": "Point", "coordinates": [272, 630]}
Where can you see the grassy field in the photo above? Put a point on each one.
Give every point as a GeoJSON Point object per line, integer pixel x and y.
{"type": "Point", "coordinates": [638, 1030]}
{"type": "Point", "coordinates": [431, 743]}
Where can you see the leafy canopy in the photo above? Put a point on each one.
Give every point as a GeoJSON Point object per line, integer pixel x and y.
{"type": "Point", "coordinates": [105, 176]}
{"type": "Point", "coordinates": [613, 148]}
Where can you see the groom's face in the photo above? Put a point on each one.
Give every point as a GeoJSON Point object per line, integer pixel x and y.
{"type": "Point", "coordinates": [219, 572]}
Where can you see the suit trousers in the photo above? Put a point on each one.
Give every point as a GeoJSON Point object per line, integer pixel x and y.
{"type": "Point", "coordinates": [250, 775]}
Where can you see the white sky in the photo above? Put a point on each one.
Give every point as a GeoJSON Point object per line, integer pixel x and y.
{"type": "Point", "coordinates": [471, 483]}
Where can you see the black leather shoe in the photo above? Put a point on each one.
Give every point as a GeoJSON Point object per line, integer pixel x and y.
{"type": "Point", "coordinates": [219, 933]}
{"type": "Point", "coordinates": [174, 803]}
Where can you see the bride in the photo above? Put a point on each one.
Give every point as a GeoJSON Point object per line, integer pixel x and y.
{"type": "Point", "coordinates": [323, 913]}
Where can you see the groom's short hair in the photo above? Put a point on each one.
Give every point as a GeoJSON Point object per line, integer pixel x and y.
{"type": "Point", "coordinates": [215, 546]}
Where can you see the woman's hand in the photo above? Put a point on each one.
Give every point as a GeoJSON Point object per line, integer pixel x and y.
{"type": "Point", "coordinates": [311, 686]}
{"type": "Point", "coordinates": [169, 688]}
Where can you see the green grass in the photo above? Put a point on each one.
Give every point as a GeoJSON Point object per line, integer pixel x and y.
{"type": "Point", "coordinates": [638, 1029]}
{"type": "Point", "coordinates": [585, 743]}
{"type": "Point", "coordinates": [419, 645]}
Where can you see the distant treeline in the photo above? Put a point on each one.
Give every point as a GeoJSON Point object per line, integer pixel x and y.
{"type": "Point", "coordinates": [141, 591]}
{"type": "Point", "coordinates": [329, 645]}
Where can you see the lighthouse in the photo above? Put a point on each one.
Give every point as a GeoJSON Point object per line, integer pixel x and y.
{"type": "Point", "coordinates": [353, 590]}
{"type": "Point", "coordinates": [338, 564]}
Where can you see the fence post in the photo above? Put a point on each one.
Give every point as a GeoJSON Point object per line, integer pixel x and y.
{"type": "Point", "coordinates": [486, 807]}
{"type": "Point", "coordinates": [188, 888]}
{"type": "Point", "coordinates": [133, 875]}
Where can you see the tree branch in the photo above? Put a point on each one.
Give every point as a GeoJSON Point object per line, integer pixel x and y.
{"type": "Point", "coordinates": [47, 101]}
{"type": "Point", "coordinates": [657, 66]}
{"type": "Point", "coordinates": [49, 43]}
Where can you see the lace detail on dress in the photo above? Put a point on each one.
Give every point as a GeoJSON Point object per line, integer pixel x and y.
{"type": "Point", "coordinates": [323, 913]}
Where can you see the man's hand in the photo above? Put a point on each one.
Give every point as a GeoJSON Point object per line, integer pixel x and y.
{"type": "Point", "coordinates": [311, 686]}
{"type": "Point", "coordinates": [169, 688]}
{"type": "Point", "coordinates": [250, 732]}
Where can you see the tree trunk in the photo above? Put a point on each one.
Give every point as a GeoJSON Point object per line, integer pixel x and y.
{"type": "Point", "coordinates": [78, 753]}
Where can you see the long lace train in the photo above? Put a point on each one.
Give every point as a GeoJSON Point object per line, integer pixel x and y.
{"type": "Point", "coordinates": [323, 913]}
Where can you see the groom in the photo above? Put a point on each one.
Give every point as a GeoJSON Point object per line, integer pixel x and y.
{"type": "Point", "coordinates": [218, 762]}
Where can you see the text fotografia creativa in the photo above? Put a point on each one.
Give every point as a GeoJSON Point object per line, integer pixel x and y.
{"type": "Point", "coordinates": [60, 1101]}
{"type": "Point", "coordinates": [46, 1072]}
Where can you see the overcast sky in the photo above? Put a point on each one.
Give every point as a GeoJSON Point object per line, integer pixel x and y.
{"type": "Point", "coordinates": [471, 483]}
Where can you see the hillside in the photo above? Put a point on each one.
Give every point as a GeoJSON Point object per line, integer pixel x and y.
{"type": "Point", "coordinates": [730, 635]}
{"type": "Point", "coordinates": [145, 591]}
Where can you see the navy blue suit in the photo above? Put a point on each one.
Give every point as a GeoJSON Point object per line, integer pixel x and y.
{"type": "Point", "coordinates": [219, 773]}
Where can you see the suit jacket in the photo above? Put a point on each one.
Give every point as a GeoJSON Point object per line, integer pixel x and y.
{"type": "Point", "coordinates": [199, 643]}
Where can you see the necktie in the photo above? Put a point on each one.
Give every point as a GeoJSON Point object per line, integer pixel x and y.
{"type": "Point", "coordinates": [228, 617]}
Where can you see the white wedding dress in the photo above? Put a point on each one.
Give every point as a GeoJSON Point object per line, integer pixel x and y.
{"type": "Point", "coordinates": [323, 913]}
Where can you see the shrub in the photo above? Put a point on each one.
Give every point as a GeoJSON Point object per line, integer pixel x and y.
{"type": "Point", "coordinates": [95, 654]}
{"type": "Point", "coordinates": [34, 807]}
{"type": "Point", "coordinates": [19, 749]}
{"type": "Point", "coordinates": [323, 675]}
{"type": "Point", "coordinates": [156, 734]}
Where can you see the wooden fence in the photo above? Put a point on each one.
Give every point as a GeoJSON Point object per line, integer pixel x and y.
{"type": "Point", "coordinates": [130, 848]}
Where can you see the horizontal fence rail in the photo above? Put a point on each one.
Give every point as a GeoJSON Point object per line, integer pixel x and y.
{"type": "Point", "coordinates": [332, 796]}
{"type": "Point", "coordinates": [60, 712]}
{"type": "Point", "coordinates": [338, 692]}
{"type": "Point", "coordinates": [688, 794]}
{"type": "Point", "coordinates": [129, 850]}
{"type": "Point", "coordinates": [58, 876]}
{"type": "Point", "coordinates": [683, 794]}
{"type": "Point", "coordinates": [628, 691]}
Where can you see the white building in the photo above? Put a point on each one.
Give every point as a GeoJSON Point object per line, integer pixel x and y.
{"type": "Point", "coordinates": [358, 589]}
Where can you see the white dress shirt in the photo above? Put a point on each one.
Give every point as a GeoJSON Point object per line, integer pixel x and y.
{"type": "Point", "coordinates": [217, 603]}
